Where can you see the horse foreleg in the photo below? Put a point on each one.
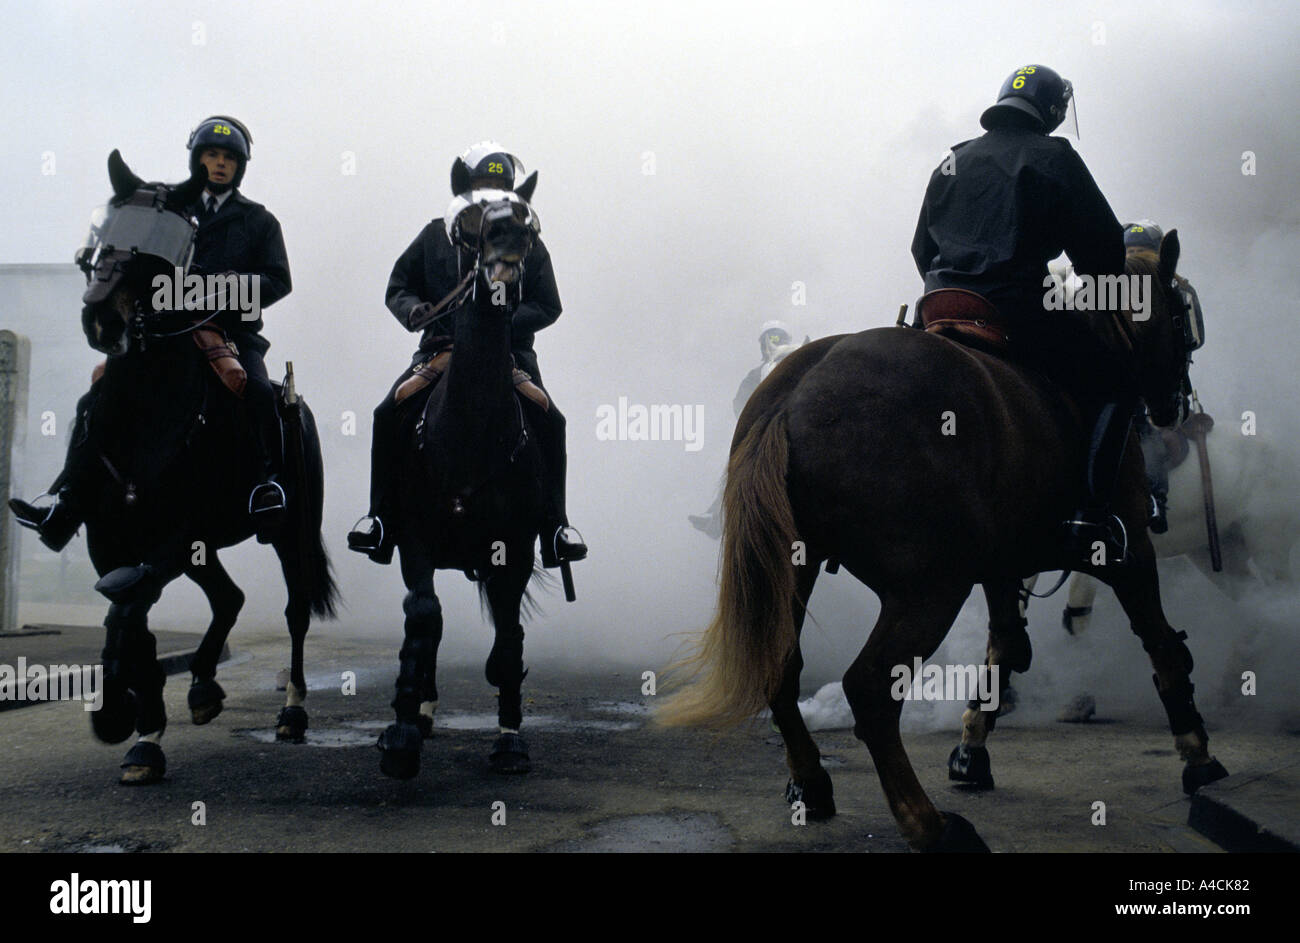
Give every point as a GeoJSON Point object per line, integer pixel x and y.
{"type": "Point", "coordinates": [809, 783]}
{"type": "Point", "coordinates": [400, 743]}
{"type": "Point", "coordinates": [505, 669]}
{"type": "Point", "coordinates": [1138, 589]}
{"type": "Point", "coordinates": [1078, 607]}
{"type": "Point", "coordinates": [131, 658]}
{"type": "Point", "coordinates": [908, 626]}
{"type": "Point", "coordinates": [1008, 650]}
{"type": "Point", "coordinates": [226, 599]}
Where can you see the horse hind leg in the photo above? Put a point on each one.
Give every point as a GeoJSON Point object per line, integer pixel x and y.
{"type": "Point", "coordinates": [1078, 608]}
{"type": "Point", "coordinates": [206, 696]}
{"type": "Point", "coordinates": [1008, 651]}
{"type": "Point", "coordinates": [909, 625]}
{"type": "Point", "coordinates": [809, 782]}
{"type": "Point", "coordinates": [1138, 591]}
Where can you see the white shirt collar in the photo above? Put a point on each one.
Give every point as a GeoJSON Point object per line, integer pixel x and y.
{"type": "Point", "coordinates": [221, 197]}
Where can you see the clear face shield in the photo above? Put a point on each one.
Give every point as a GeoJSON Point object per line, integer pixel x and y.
{"type": "Point", "coordinates": [1070, 124]}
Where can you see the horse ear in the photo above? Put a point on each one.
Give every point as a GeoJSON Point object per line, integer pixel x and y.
{"type": "Point", "coordinates": [1169, 251]}
{"type": "Point", "coordinates": [460, 177]}
{"type": "Point", "coordinates": [526, 188]}
{"type": "Point", "coordinates": [124, 182]}
{"type": "Point", "coordinates": [187, 193]}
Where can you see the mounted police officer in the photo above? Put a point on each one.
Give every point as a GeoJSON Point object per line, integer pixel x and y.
{"type": "Point", "coordinates": [1141, 237]}
{"type": "Point", "coordinates": [995, 213]}
{"type": "Point", "coordinates": [235, 235]}
{"type": "Point", "coordinates": [426, 273]}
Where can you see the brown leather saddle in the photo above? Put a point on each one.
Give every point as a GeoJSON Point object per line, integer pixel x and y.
{"type": "Point", "coordinates": [432, 369]}
{"type": "Point", "coordinates": [965, 317]}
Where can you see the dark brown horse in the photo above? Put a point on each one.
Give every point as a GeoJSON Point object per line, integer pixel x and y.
{"type": "Point", "coordinates": [924, 468]}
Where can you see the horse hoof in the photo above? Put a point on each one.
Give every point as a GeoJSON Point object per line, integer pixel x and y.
{"type": "Point", "coordinates": [205, 699]}
{"type": "Point", "coordinates": [817, 796]}
{"type": "Point", "coordinates": [970, 766]}
{"type": "Point", "coordinates": [1194, 777]}
{"type": "Point", "coordinates": [510, 754]}
{"type": "Point", "coordinates": [291, 725]}
{"type": "Point", "coordinates": [425, 723]}
{"type": "Point", "coordinates": [115, 719]}
{"type": "Point", "coordinates": [399, 749]}
{"type": "Point", "coordinates": [958, 837]}
{"type": "Point", "coordinates": [144, 764]}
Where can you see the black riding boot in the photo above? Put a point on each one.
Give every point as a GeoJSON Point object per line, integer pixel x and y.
{"type": "Point", "coordinates": [559, 542]}
{"type": "Point", "coordinates": [1094, 522]}
{"type": "Point", "coordinates": [266, 504]}
{"type": "Point", "coordinates": [375, 538]}
{"type": "Point", "coordinates": [57, 523]}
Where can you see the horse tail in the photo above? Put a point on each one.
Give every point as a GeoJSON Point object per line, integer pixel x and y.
{"type": "Point", "coordinates": [322, 592]}
{"type": "Point", "coordinates": [739, 661]}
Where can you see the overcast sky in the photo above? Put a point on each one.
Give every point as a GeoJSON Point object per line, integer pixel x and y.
{"type": "Point", "coordinates": [696, 160]}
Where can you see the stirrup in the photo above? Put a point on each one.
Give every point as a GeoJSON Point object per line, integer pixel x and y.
{"type": "Point", "coordinates": [555, 544]}
{"type": "Point", "coordinates": [1123, 557]}
{"type": "Point", "coordinates": [356, 529]}
{"type": "Point", "coordinates": [49, 513]}
{"type": "Point", "coordinates": [267, 484]}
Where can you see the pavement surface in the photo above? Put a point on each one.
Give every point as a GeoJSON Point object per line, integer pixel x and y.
{"type": "Point", "coordinates": [603, 778]}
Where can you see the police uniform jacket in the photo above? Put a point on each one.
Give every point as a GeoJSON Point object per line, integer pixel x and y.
{"type": "Point", "coordinates": [427, 271]}
{"type": "Point", "coordinates": [244, 237]}
{"type": "Point", "coordinates": [1001, 208]}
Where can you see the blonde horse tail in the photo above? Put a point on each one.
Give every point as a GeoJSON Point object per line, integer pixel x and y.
{"type": "Point", "coordinates": [738, 662]}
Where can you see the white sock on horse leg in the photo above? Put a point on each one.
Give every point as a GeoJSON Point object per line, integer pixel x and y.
{"type": "Point", "coordinates": [155, 738]}
{"type": "Point", "coordinates": [428, 708]}
{"type": "Point", "coordinates": [294, 695]}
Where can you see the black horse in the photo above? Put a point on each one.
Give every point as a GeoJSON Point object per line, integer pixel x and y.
{"type": "Point", "coordinates": [470, 497]}
{"type": "Point", "coordinates": [177, 474]}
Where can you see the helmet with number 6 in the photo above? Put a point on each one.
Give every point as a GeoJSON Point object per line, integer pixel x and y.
{"type": "Point", "coordinates": [1034, 90]}
{"type": "Point", "coordinates": [221, 131]}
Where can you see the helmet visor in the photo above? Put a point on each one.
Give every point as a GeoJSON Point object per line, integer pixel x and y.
{"type": "Point", "coordinates": [1070, 124]}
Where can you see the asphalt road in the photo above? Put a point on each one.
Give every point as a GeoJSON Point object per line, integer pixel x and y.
{"type": "Point", "coordinates": [603, 778]}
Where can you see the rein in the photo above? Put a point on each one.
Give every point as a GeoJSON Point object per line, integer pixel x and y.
{"type": "Point", "coordinates": [452, 300]}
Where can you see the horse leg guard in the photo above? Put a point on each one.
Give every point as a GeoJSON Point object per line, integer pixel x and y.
{"type": "Point", "coordinates": [143, 764]}
{"type": "Point", "coordinates": [399, 750]}
{"type": "Point", "coordinates": [128, 584]}
{"type": "Point", "coordinates": [415, 651]}
{"type": "Point", "coordinates": [505, 671]}
{"type": "Point", "coordinates": [291, 724]}
{"type": "Point", "coordinates": [510, 754]}
{"type": "Point", "coordinates": [970, 767]}
{"type": "Point", "coordinates": [205, 699]}
{"type": "Point", "coordinates": [817, 794]}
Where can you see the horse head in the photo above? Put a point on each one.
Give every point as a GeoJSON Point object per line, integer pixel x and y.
{"type": "Point", "coordinates": [492, 230]}
{"type": "Point", "coordinates": [143, 232]}
{"type": "Point", "coordinates": [1164, 338]}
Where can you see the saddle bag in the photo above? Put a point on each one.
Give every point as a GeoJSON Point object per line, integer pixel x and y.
{"type": "Point", "coordinates": [224, 357]}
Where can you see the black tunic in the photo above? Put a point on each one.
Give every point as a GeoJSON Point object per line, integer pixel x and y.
{"type": "Point", "coordinates": [427, 271]}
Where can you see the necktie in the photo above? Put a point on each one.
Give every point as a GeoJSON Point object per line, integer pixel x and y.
{"type": "Point", "coordinates": [209, 210]}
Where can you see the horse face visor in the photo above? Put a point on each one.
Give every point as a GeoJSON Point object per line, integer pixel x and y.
{"type": "Point", "coordinates": [118, 233]}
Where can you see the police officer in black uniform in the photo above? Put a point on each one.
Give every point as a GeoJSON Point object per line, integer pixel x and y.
{"type": "Point", "coordinates": [238, 235]}
{"type": "Point", "coordinates": [235, 235]}
{"type": "Point", "coordinates": [995, 213]}
{"type": "Point", "coordinates": [424, 274]}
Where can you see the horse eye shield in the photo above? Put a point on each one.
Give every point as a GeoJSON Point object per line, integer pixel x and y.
{"type": "Point", "coordinates": [117, 233]}
{"type": "Point", "coordinates": [497, 222]}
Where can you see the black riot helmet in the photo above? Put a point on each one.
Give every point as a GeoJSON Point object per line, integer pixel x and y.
{"type": "Point", "coordinates": [491, 167]}
{"type": "Point", "coordinates": [1034, 90]}
{"type": "Point", "coordinates": [222, 131]}
{"type": "Point", "coordinates": [1143, 234]}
